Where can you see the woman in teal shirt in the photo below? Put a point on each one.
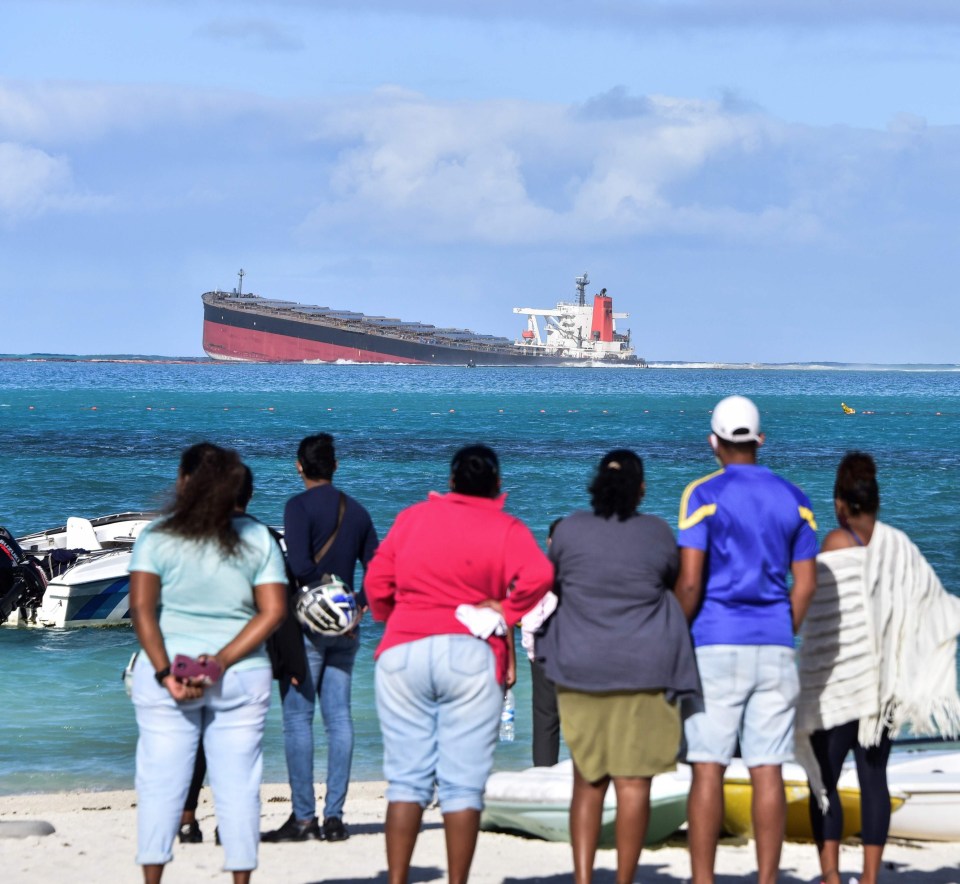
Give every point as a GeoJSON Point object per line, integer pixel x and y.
{"type": "Point", "coordinates": [208, 583]}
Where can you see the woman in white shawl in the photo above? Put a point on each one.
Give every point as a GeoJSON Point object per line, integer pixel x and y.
{"type": "Point", "coordinates": [878, 654]}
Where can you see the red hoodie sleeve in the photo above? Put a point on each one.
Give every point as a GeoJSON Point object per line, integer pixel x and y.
{"type": "Point", "coordinates": [380, 583]}
{"type": "Point", "coordinates": [527, 571]}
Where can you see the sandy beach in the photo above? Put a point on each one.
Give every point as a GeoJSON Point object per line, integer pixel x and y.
{"type": "Point", "coordinates": [95, 840]}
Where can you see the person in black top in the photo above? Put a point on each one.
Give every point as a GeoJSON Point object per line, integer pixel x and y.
{"type": "Point", "coordinates": [310, 665]}
{"type": "Point", "coordinates": [546, 717]}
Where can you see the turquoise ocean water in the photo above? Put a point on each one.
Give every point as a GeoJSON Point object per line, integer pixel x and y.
{"type": "Point", "coordinates": [89, 438]}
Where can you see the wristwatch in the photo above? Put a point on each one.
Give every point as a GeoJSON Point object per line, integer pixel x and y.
{"type": "Point", "coordinates": [161, 674]}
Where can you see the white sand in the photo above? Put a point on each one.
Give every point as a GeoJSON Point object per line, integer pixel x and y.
{"type": "Point", "coordinates": [95, 841]}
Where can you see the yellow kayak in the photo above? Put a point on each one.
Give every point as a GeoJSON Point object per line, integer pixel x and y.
{"type": "Point", "coordinates": [738, 795]}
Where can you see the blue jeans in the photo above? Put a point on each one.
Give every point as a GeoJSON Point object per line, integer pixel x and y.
{"type": "Point", "coordinates": [439, 704]}
{"type": "Point", "coordinates": [329, 671]}
{"type": "Point", "coordinates": [230, 718]}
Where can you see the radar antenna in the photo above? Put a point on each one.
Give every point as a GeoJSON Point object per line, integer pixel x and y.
{"type": "Point", "coordinates": [240, 275]}
{"type": "Point", "coordinates": [582, 283]}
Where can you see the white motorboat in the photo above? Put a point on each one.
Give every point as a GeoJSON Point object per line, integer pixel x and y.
{"type": "Point", "coordinates": [74, 575]}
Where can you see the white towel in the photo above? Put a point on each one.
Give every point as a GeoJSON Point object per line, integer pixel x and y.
{"type": "Point", "coordinates": [533, 621]}
{"type": "Point", "coordinates": [482, 622]}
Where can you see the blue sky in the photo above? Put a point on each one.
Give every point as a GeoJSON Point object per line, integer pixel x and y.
{"type": "Point", "coordinates": [752, 181]}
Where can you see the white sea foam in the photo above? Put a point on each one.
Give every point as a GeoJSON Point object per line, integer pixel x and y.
{"type": "Point", "coordinates": [806, 366]}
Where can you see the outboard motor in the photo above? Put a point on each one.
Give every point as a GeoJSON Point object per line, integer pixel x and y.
{"type": "Point", "coordinates": [22, 581]}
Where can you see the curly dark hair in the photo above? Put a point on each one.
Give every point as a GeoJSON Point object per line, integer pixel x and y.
{"type": "Point", "coordinates": [616, 489]}
{"type": "Point", "coordinates": [856, 483]}
{"type": "Point", "coordinates": [211, 482]}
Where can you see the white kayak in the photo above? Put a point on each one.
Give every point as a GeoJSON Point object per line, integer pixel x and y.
{"type": "Point", "coordinates": [536, 802]}
{"type": "Point", "coordinates": [930, 778]}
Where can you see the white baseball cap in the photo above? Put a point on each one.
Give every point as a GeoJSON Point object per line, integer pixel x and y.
{"type": "Point", "coordinates": [736, 419]}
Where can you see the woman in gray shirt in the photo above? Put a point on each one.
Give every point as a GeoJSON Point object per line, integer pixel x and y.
{"type": "Point", "coordinates": [619, 651]}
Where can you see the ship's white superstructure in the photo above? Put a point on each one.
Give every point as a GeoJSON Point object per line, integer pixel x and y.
{"type": "Point", "coordinates": [577, 330]}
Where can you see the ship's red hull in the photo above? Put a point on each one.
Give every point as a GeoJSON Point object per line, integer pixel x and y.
{"type": "Point", "coordinates": [242, 344]}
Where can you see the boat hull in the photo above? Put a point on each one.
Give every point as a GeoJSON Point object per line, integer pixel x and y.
{"type": "Point", "coordinates": [244, 335]}
{"type": "Point", "coordinates": [552, 821]}
{"type": "Point", "coordinates": [737, 812]}
{"type": "Point", "coordinates": [229, 342]}
{"type": "Point", "coordinates": [930, 779]}
{"type": "Point", "coordinates": [738, 800]}
{"type": "Point", "coordinates": [536, 802]}
{"type": "Point", "coordinates": [91, 593]}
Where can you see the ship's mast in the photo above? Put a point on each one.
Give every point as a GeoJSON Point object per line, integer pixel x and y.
{"type": "Point", "coordinates": [582, 283]}
{"type": "Point", "coordinates": [241, 274]}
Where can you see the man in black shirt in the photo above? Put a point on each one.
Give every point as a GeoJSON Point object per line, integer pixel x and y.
{"type": "Point", "coordinates": [310, 520]}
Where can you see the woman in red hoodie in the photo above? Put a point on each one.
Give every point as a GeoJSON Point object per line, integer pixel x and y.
{"type": "Point", "coordinates": [439, 579]}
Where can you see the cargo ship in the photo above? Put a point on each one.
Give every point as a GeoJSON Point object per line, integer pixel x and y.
{"type": "Point", "coordinates": [249, 328]}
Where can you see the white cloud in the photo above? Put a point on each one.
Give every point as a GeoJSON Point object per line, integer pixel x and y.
{"type": "Point", "coordinates": [396, 166]}
{"type": "Point", "coordinates": [31, 182]}
{"type": "Point", "coordinates": [907, 124]}
{"type": "Point", "coordinates": [448, 172]}
{"type": "Point", "coordinates": [54, 112]}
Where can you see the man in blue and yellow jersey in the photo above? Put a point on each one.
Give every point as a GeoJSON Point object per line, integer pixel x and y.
{"type": "Point", "coordinates": [743, 529]}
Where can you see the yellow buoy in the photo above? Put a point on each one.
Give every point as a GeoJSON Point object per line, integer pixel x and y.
{"type": "Point", "coordinates": [847, 409]}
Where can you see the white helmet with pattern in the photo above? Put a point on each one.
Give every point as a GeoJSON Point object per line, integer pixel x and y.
{"type": "Point", "coordinates": [327, 607]}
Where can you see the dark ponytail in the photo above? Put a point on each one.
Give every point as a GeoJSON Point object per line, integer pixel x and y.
{"type": "Point", "coordinates": [210, 485]}
{"type": "Point", "coordinates": [616, 488]}
{"type": "Point", "coordinates": [856, 484]}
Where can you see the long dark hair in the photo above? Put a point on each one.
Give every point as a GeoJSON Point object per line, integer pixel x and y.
{"type": "Point", "coordinates": [210, 483]}
{"type": "Point", "coordinates": [616, 488]}
{"type": "Point", "coordinates": [856, 484]}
